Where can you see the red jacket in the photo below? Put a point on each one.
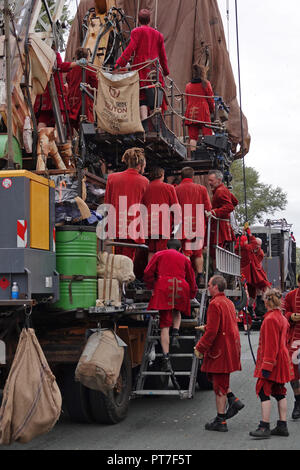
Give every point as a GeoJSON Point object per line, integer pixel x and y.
{"type": "Point", "coordinates": [74, 78]}
{"type": "Point", "coordinates": [190, 193]}
{"type": "Point", "coordinates": [198, 108]}
{"type": "Point", "coordinates": [172, 277]}
{"type": "Point", "coordinates": [146, 44]}
{"type": "Point", "coordinates": [223, 203]}
{"type": "Point", "coordinates": [132, 186]}
{"type": "Point", "coordinates": [160, 193]}
{"type": "Point", "coordinates": [220, 343]}
{"type": "Point", "coordinates": [251, 259]}
{"type": "Point", "coordinates": [43, 102]}
{"type": "Point", "coordinates": [292, 305]}
{"type": "Point", "coordinates": [272, 353]}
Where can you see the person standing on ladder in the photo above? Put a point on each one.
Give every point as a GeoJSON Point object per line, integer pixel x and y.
{"type": "Point", "coordinates": [223, 203]}
{"type": "Point", "coordinates": [171, 277]}
{"type": "Point", "coordinates": [146, 44]}
{"type": "Point", "coordinates": [220, 349]}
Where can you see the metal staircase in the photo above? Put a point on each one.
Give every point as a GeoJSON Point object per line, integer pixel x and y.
{"type": "Point", "coordinates": [151, 380]}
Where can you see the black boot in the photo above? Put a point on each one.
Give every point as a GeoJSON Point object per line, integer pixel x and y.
{"type": "Point", "coordinates": [262, 432]}
{"type": "Point", "coordinates": [281, 429]}
{"type": "Point", "coordinates": [234, 406]}
{"type": "Point", "coordinates": [296, 410]}
{"type": "Point", "coordinates": [218, 424]}
{"type": "Point", "coordinates": [174, 339]}
{"type": "Point", "coordinates": [200, 280]}
{"type": "Point", "coordinates": [166, 364]}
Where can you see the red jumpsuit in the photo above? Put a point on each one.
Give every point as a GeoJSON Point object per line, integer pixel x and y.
{"type": "Point", "coordinates": [251, 264]}
{"type": "Point", "coordinates": [189, 195]}
{"type": "Point", "coordinates": [170, 274]}
{"type": "Point", "coordinates": [220, 343]}
{"type": "Point", "coordinates": [43, 105]}
{"type": "Point", "coordinates": [292, 305]}
{"type": "Point", "coordinates": [273, 355]}
{"type": "Point", "coordinates": [146, 44]}
{"type": "Point", "coordinates": [223, 203]}
{"type": "Point", "coordinates": [159, 223]}
{"type": "Point", "coordinates": [74, 78]}
{"type": "Point", "coordinates": [130, 185]}
{"type": "Point", "coordinates": [198, 108]}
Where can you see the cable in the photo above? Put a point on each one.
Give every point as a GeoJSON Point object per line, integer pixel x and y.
{"type": "Point", "coordinates": [241, 113]}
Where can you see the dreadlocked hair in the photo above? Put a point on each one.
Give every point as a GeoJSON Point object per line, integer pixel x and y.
{"type": "Point", "coordinates": [134, 157]}
{"type": "Point", "coordinates": [273, 298]}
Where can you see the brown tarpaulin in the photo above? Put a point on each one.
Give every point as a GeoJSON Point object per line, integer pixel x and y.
{"type": "Point", "coordinates": [188, 27]}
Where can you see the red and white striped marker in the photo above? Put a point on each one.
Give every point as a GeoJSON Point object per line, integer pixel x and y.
{"type": "Point", "coordinates": [22, 233]}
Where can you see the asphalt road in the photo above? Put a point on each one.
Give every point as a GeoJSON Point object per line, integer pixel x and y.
{"type": "Point", "coordinates": [168, 423]}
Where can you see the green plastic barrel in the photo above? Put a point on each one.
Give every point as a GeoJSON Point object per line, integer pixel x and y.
{"type": "Point", "coordinates": [76, 256]}
{"type": "Point", "coordinates": [17, 152]}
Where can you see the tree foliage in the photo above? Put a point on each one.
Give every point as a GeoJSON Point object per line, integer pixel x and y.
{"type": "Point", "coordinates": [263, 200]}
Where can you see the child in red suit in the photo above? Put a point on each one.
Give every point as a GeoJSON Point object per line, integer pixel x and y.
{"type": "Point", "coordinates": [273, 366]}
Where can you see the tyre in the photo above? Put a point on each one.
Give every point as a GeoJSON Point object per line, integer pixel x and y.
{"type": "Point", "coordinates": [75, 396]}
{"type": "Point", "coordinates": [113, 407]}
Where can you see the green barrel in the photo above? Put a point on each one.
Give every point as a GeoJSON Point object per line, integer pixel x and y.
{"type": "Point", "coordinates": [16, 150]}
{"type": "Point", "coordinates": [76, 255]}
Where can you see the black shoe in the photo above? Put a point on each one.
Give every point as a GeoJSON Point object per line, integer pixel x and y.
{"type": "Point", "coordinates": [280, 430]}
{"type": "Point", "coordinates": [296, 410]}
{"type": "Point", "coordinates": [175, 342]}
{"type": "Point", "coordinates": [217, 425]}
{"type": "Point", "coordinates": [235, 405]}
{"type": "Point", "coordinates": [200, 280]}
{"type": "Point", "coordinates": [166, 365]}
{"type": "Point", "coordinates": [261, 433]}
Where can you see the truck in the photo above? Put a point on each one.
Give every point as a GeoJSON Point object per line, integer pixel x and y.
{"type": "Point", "coordinates": [48, 269]}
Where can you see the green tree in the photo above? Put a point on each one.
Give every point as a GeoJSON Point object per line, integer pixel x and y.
{"type": "Point", "coordinates": [298, 260]}
{"type": "Point", "coordinates": [263, 200]}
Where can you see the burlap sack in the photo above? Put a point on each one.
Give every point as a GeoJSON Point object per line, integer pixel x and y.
{"type": "Point", "coordinates": [118, 267]}
{"type": "Point", "coordinates": [108, 291]}
{"type": "Point", "coordinates": [32, 401]}
{"type": "Point", "coordinates": [117, 107]}
{"type": "Point", "coordinates": [100, 363]}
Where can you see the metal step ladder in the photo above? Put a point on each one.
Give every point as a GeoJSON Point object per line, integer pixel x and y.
{"type": "Point", "coordinates": [152, 341]}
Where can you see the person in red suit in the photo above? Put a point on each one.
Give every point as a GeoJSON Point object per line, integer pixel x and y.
{"type": "Point", "coordinates": [171, 277]}
{"type": "Point", "coordinates": [73, 79]}
{"type": "Point", "coordinates": [249, 248]}
{"type": "Point", "coordinates": [124, 192]}
{"type": "Point", "coordinates": [220, 349]}
{"type": "Point", "coordinates": [223, 203]}
{"type": "Point", "coordinates": [43, 107]}
{"type": "Point", "coordinates": [160, 223]}
{"type": "Point", "coordinates": [198, 108]}
{"type": "Point", "coordinates": [291, 308]}
{"type": "Point", "coordinates": [273, 366]}
{"type": "Point", "coordinates": [146, 44]}
{"type": "Point", "coordinates": [192, 196]}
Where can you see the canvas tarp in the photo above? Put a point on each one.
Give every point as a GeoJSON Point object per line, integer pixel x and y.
{"type": "Point", "coordinates": [189, 28]}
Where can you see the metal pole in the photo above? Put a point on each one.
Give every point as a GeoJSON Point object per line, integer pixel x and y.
{"type": "Point", "coordinates": [10, 154]}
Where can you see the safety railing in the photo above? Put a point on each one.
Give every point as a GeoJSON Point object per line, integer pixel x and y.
{"type": "Point", "coordinates": [226, 261]}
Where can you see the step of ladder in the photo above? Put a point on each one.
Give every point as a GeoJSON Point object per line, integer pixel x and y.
{"type": "Point", "coordinates": [182, 393]}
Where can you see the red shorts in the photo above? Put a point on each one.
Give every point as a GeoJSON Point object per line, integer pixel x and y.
{"type": "Point", "coordinates": [166, 318]}
{"type": "Point", "coordinates": [193, 131]}
{"type": "Point", "coordinates": [191, 253]}
{"type": "Point", "coordinates": [220, 382]}
{"type": "Point", "coordinates": [270, 388]}
{"type": "Point", "coordinates": [157, 245]}
{"type": "Point", "coordinates": [47, 117]}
